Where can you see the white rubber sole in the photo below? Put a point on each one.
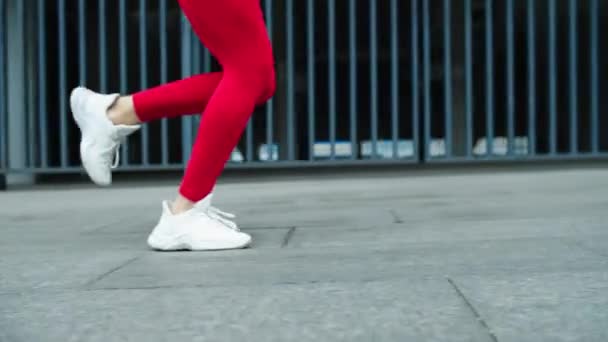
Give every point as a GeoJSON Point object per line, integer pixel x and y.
{"type": "Point", "coordinates": [198, 246]}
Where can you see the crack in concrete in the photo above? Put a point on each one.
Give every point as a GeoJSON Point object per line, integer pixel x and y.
{"type": "Point", "coordinates": [288, 237]}
{"type": "Point", "coordinates": [219, 285]}
{"type": "Point", "coordinates": [396, 218]}
{"type": "Point", "coordinates": [103, 275]}
{"type": "Point", "coordinates": [481, 321]}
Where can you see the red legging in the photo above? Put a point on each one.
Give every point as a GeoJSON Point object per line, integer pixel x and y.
{"type": "Point", "coordinates": [235, 33]}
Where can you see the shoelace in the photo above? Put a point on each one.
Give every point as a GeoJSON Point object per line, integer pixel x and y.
{"type": "Point", "coordinates": [223, 217]}
{"type": "Point", "coordinates": [116, 158]}
{"type": "Point", "coordinates": [117, 154]}
{"type": "Point", "coordinates": [220, 216]}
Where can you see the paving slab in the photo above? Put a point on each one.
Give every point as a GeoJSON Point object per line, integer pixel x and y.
{"type": "Point", "coordinates": [413, 310]}
{"type": "Point", "coordinates": [59, 269]}
{"type": "Point", "coordinates": [541, 307]}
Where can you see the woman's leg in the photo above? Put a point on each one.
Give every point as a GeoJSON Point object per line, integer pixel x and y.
{"type": "Point", "coordinates": [187, 96]}
{"type": "Point", "coordinates": [235, 33]}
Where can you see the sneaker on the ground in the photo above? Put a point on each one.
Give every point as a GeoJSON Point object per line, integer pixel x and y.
{"type": "Point", "coordinates": [202, 228]}
{"type": "Point", "coordinates": [101, 139]}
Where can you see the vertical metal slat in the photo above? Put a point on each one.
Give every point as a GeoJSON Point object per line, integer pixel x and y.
{"type": "Point", "coordinates": [310, 58]}
{"type": "Point", "coordinates": [510, 80]}
{"type": "Point", "coordinates": [206, 61]}
{"type": "Point", "coordinates": [414, 53]}
{"type": "Point", "coordinates": [249, 140]}
{"type": "Point", "coordinates": [489, 79]}
{"type": "Point", "coordinates": [82, 43]}
{"type": "Point", "coordinates": [531, 78]}
{"type": "Point", "coordinates": [42, 96]}
{"type": "Point", "coordinates": [196, 54]}
{"type": "Point", "coordinates": [63, 108]}
{"type": "Point", "coordinates": [331, 8]}
{"type": "Point", "coordinates": [3, 150]}
{"type": "Point", "coordinates": [468, 61]}
{"type": "Point", "coordinates": [426, 36]}
{"type": "Point", "coordinates": [290, 81]}
{"type": "Point", "coordinates": [352, 69]}
{"type": "Point", "coordinates": [572, 29]}
{"type": "Point", "coordinates": [594, 76]}
{"type": "Point", "coordinates": [30, 115]}
{"type": "Point", "coordinates": [373, 32]}
{"type": "Point", "coordinates": [103, 51]}
{"type": "Point", "coordinates": [394, 77]}
{"type": "Point", "coordinates": [552, 80]}
{"type": "Point", "coordinates": [447, 60]}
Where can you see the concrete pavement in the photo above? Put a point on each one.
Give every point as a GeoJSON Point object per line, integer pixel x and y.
{"type": "Point", "coordinates": [506, 256]}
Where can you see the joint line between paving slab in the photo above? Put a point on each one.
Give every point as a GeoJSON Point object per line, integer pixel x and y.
{"type": "Point", "coordinates": [473, 310]}
{"type": "Point", "coordinates": [288, 237]}
{"type": "Point", "coordinates": [582, 246]}
{"type": "Point", "coordinates": [124, 264]}
{"type": "Point", "coordinates": [396, 218]}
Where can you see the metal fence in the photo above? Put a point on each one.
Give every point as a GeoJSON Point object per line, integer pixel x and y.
{"type": "Point", "coordinates": [359, 81]}
{"type": "Point", "coordinates": [529, 82]}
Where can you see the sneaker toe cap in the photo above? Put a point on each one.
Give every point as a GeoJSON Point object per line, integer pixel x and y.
{"type": "Point", "coordinates": [245, 239]}
{"type": "Point", "coordinates": [98, 173]}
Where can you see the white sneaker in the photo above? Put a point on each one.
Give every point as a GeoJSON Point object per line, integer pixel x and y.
{"type": "Point", "coordinates": [101, 139]}
{"type": "Point", "coordinates": [202, 228]}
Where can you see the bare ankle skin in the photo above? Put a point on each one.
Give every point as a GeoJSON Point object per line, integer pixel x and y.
{"type": "Point", "coordinates": [181, 204]}
{"type": "Point", "coordinates": [122, 112]}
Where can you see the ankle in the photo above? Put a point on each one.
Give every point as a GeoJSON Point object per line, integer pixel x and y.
{"type": "Point", "coordinates": [181, 204]}
{"type": "Point", "coordinates": [122, 112]}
